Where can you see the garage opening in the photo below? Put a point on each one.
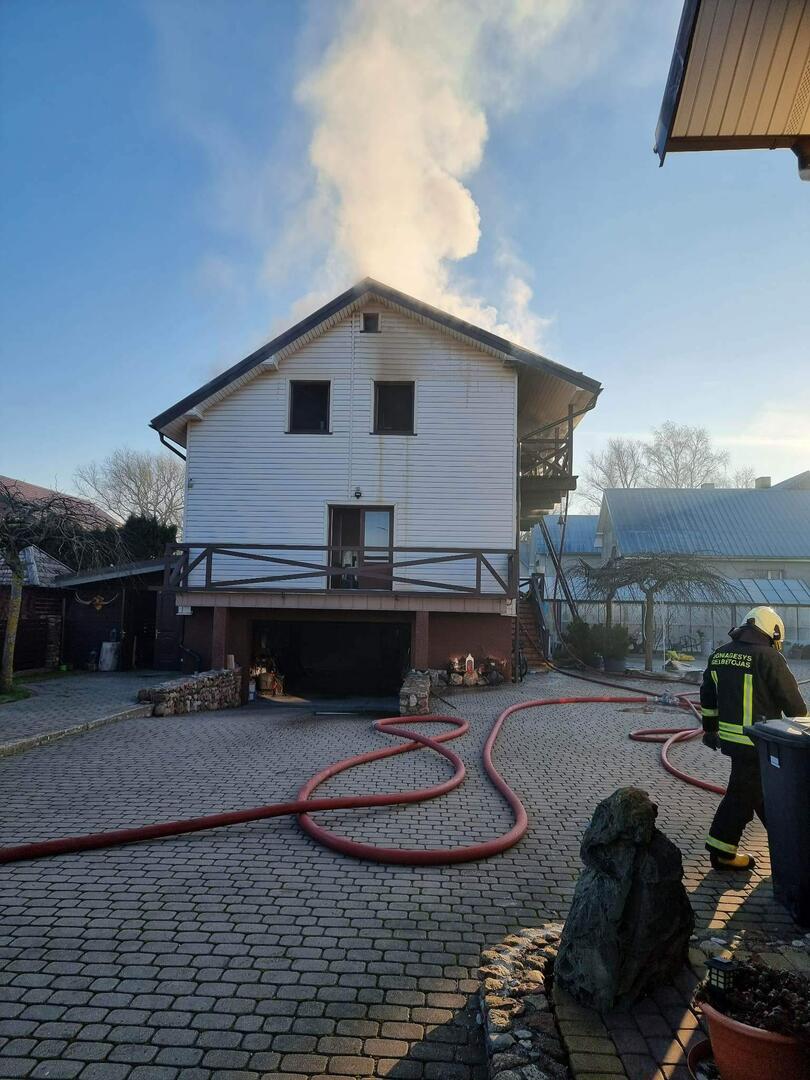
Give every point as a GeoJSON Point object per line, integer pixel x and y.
{"type": "Point", "coordinates": [336, 658]}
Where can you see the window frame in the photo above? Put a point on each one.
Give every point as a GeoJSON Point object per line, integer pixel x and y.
{"type": "Point", "coordinates": [376, 411]}
{"type": "Point", "coordinates": [309, 431]}
{"type": "Point", "coordinates": [373, 314]}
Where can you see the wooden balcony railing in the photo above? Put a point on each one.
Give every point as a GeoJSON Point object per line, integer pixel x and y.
{"type": "Point", "coordinates": [322, 567]}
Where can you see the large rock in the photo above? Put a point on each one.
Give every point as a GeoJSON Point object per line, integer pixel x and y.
{"type": "Point", "coordinates": [630, 921]}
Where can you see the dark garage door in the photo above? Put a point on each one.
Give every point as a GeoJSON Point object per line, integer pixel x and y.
{"type": "Point", "coordinates": [324, 657]}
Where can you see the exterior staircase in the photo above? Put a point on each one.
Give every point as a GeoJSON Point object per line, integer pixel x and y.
{"type": "Point", "coordinates": [529, 643]}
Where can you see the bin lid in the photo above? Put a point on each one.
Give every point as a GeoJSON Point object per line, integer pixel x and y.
{"type": "Point", "coordinates": [794, 731]}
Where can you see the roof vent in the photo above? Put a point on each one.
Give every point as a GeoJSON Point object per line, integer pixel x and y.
{"type": "Point", "coordinates": [762, 482]}
{"type": "Point", "coordinates": [707, 487]}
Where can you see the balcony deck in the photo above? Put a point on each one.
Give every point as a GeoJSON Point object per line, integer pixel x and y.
{"type": "Point", "coordinates": [332, 576]}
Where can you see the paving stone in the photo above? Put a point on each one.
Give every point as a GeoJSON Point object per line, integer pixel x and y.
{"type": "Point", "coordinates": [255, 932]}
{"type": "Point", "coordinates": [57, 1069]}
{"type": "Point", "coordinates": [17, 1066]}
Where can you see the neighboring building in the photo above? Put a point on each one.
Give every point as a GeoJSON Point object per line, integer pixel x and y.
{"type": "Point", "coordinates": [32, 492]}
{"type": "Point", "coordinates": [744, 533]}
{"type": "Point", "coordinates": [758, 538]}
{"type": "Point", "coordinates": [354, 494]}
{"type": "Point", "coordinates": [800, 482]}
{"type": "Point", "coordinates": [39, 632]}
{"type": "Point", "coordinates": [580, 543]}
{"type": "Point", "coordinates": [125, 603]}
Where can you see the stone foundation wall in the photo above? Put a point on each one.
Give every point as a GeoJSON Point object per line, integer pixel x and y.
{"type": "Point", "coordinates": [414, 697]}
{"type": "Point", "coordinates": [195, 693]}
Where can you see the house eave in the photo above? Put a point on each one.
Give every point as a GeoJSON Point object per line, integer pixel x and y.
{"type": "Point", "coordinates": [172, 422]}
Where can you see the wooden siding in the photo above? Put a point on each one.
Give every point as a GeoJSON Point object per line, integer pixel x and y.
{"type": "Point", "coordinates": [451, 484]}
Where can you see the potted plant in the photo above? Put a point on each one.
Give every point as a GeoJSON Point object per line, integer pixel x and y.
{"type": "Point", "coordinates": [759, 1020]}
{"type": "Point", "coordinates": [613, 644]}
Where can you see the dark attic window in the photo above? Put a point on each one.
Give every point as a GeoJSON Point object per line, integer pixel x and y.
{"type": "Point", "coordinates": [309, 408]}
{"type": "Point", "coordinates": [393, 408]}
{"type": "Point", "coordinates": [371, 322]}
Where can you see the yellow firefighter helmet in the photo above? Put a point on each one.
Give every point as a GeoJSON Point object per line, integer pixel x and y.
{"type": "Point", "coordinates": [767, 620]}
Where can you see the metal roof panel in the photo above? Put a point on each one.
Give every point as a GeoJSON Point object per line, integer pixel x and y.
{"type": "Point", "coordinates": [714, 522]}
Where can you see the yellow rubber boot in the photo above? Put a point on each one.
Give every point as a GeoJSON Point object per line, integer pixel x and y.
{"type": "Point", "coordinates": [740, 861]}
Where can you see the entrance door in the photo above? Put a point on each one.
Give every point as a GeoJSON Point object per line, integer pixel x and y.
{"type": "Point", "coordinates": [362, 540]}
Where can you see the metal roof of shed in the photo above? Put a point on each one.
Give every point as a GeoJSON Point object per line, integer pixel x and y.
{"type": "Point", "coordinates": [790, 592]}
{"type": "Point", "coordinates": [580, 533]}
{"type": "Point", "coordinates": [715, 522]}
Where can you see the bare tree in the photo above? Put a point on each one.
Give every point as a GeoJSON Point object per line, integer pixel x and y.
{"type": "Point", "coordinates": [619, 465]}
{"type": "Point", "coordinates": [27, 522]}
{"type": "Point", "coordinates": [136, 482]}
{"type": "Point", "coordinates": [744, 477]}
{"type": "Point", "coordinates": [676, 456]}
{"type": "Point", "coordinates": [684, 579]}
{"type": "Point", "coordinates": [680, 456]}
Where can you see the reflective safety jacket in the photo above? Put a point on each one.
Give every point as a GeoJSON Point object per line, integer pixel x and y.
{"type": "Point", "coordinates": [746, 681]}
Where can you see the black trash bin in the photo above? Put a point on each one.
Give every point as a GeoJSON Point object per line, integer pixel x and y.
{"type": "Point", "coordinates": [784, 758]}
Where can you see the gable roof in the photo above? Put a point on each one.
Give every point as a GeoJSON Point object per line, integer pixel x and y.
{"type": "Point", "coordinates": [171, 423]}
{"type": "Point", "coordinates": [580, 533]}
{"type": "Point", "coordinates": [799, 482]}
{"type": "Point", "coordinates": [787, 592]}
{"type": "Point", "coordinates": [41, 569]}
{"type": "Point", "coordinates": [33, 492]}
{"type": "Point", "coordinates": [720, 522]}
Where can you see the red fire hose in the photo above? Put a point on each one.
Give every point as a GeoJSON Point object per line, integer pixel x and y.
{"type": "Point", "coordinates": [667, 736]}
{"type": "Point", "coordinates": [305, 805]}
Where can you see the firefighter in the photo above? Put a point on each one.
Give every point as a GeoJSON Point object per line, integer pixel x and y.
{"type": "Point", "coordinates": [746, 681]}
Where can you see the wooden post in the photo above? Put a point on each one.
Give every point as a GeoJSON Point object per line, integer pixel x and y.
{"type": "Point", "coordinates": [420, 640]}
{"type": "Point", "coordinates": [219, 635]}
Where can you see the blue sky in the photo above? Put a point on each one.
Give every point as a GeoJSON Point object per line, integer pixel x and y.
{"type": "Point", "coordinates": [160, 218]}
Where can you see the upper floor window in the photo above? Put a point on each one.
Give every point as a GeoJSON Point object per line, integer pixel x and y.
{"type": "Point", "coordinates": [371, 322]}
{"type": "Point", "coordinates": [309, 408]}
{"type": "Point", "coordinates": [393, 408]}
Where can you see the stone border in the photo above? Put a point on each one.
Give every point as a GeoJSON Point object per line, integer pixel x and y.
{"type": "Point", "coordinates": [521, 1035]}
{"type": "Point", "coordinates": [19, 746]}
{"type": "Point", "coordinates": [207, 691]}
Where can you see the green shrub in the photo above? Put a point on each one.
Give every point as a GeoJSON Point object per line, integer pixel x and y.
{"type": "Point", "coordinates": [579, 639]}
{"type": "Point", "coordinates": [611, 642]}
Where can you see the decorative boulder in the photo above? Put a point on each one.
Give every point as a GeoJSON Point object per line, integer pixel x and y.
{"type": "Point", "coordinates": [630, 921]}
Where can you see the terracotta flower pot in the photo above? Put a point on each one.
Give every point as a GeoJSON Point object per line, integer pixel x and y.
{"type": "Point", "coordinates": [699, 1053]}
{"type": "Point", "coordinates": [743, 1052]}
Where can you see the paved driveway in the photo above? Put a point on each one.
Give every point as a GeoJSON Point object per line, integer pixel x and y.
{"type": "Point", "coordinates": [251, 952]}
{"type": "Point", "coordinates": [63, 702]}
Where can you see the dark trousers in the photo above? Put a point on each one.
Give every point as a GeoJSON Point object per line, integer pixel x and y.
{"type": "Point", "coordinates": [743, 799]}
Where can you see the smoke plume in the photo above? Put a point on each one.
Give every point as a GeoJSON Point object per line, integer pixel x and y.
{"type": "Point", "coordinates": [399, 104]}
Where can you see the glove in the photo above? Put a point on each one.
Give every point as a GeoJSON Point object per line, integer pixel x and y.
{"type": "Point", "coordinates": [712, 740]}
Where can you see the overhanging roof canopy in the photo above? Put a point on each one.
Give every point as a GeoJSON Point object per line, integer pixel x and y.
{"type": "Point", "coordinates": [557, 386]}
{"type": "Point", "coordinates": [739, 78]}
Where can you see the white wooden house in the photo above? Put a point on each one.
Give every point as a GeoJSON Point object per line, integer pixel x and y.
{"type": "Point", "coordinates": [353, 498]}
